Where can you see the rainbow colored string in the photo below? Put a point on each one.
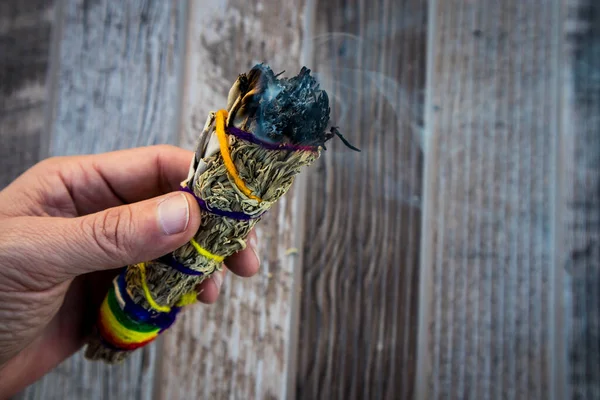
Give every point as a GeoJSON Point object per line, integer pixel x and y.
{"type": "Point", "coordinates": [124, 325]}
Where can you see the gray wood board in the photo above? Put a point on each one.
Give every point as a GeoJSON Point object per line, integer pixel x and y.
{"type": "Point", "coordinates": [582, 195]}
{"type": "Point", "coordinates": [25, 41]}
{"type": "Point", "coordinates": [117, 87]}
{"type": "Point", "coordinates": [489, 295]}
{"type": "Point", "coordinates": [357, 331]}
{"type": "Point", "coordinates": [240, 347]}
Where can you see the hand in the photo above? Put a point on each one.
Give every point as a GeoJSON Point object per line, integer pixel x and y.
{"type": "Point", "coordinates": [67, 227]}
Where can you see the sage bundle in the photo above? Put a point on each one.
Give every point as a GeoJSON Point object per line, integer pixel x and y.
{"type": "Point", "coordinates": [247, 158]}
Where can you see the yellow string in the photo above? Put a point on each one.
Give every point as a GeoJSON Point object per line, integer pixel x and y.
{"type": "Point", "coordinates": [220, 129]}
{"type": "Point", "coordinates": [188, 298]}
{"type": "Point", "coordinates": [185, 300]}
{"type": "Point", "coordinates": [149, 299]}
{"type": "Point", "coordinates": [205, 252]}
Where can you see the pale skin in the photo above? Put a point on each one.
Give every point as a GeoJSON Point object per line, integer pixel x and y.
{"type": "Point", "coordinates": [68, 225]}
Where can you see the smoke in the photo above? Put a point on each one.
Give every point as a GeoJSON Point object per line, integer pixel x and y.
{"type": "Point", "coordinates": [377, 103]}
{"type": "Point", "coordinates": [353, 87]}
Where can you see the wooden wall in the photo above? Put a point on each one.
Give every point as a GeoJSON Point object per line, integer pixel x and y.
{"type": "Point", "coordinates": [239, 347]}
{"type": "Point", "coordinates": [492, 152]}
{"type": "Point", "coordinates": [456, 256]}
{"type": "Point", "coordinates": [509, 288]}
{"type": "Point", "coordinates": [118, 78]}
{"type": "Point", "coordinates": [25, 40]}
{"type": "Point", "coordinates": [357, 334]}
{"type": "Point", "coordinates": [581, 177]}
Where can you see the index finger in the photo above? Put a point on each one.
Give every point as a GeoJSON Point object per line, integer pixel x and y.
{"type": "Point", "coordinates": [140, 173]}
{"type": "Point", "coordinates": [100, 181]}
{"type": "Point", "coordinates": [89, 183]}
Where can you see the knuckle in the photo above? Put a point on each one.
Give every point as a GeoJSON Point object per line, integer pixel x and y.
{"type": "Point", "coordinates": [111, 232]}
{"type": "Point", "coordinates": [50, 163]}
{"type": "Point", "coordinates": [50, 166]}
{"type": "Point", "coordinates": [164, 147]}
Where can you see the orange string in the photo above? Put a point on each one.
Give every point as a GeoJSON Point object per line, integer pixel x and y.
{"type": "Point", "coordinates": [221, 116]}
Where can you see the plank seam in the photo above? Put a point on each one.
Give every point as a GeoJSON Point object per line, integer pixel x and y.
{"type": "Point", "coordinates": [425, 270]}
{"type": "Point", "coordinates": [558, 350]}
{"type": "Point", "coordinates": [300, 198]}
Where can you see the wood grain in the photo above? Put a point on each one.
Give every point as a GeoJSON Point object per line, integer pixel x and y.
{"type": "Point", "coordinates": [238, 348]}
{"type": "Point", "coordinates": [581, 227]}
{"type": "Point", "coordinates": [489, 291]}
{"type": "Point", "coordinates": [25, 37]}
{"type": "Point", "coordinates": [357, 335]}
{"type": "Point", "coordinates": [117, 88]}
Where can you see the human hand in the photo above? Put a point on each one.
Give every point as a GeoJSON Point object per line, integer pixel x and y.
{"type": "Point", "coordinates": [67, 228]}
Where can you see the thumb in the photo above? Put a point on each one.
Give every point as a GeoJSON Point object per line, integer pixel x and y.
{"type": "Point", "coordinates": [115, 237]}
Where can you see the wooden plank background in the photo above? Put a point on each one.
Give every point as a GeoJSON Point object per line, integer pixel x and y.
{"type": "Point", "coordinates": [357, 336]}
{"type": "Point", "coordinates": [489, 292]}
{"type": "Point", "coordinates": [118, 87]}
{"type": "Point", "coordinates": [239, 347]}
{"type": "Point", "coordinates": [455, 257]}
{"type": "Point", "coordinates": [582, 196]}
{"type": "Point", "coordinates": [25, 37]}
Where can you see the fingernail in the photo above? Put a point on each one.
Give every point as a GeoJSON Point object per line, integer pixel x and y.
{"type": "Point", "coordinates": [174, 214]}
{"type": "Point", "coordinates": [253, 243]}
{"type": "Point", "coordinates": [218, 280]}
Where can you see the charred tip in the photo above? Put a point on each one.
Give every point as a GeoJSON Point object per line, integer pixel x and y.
{"type": "Point", "coordinates": [293, 110]}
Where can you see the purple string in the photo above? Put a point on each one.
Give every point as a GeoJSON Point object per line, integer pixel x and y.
{"type": "Point", "coordinates": [159, 319]}
{"type": "Point", "coordinates": [229, 214]}
{"type": "Point", "coordinates": [171, 261]}
{"type": "Point", "coordinates": [247, 136]}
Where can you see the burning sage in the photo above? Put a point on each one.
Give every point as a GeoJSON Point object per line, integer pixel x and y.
{"type": "Point", "coordinates": [246, 159]}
